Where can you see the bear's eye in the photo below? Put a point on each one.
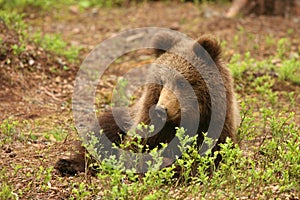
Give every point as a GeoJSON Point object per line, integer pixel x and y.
{"type": "Point", "coordinates": [161, 82]}
{"type": "Point", "coordinates": [181, 84]}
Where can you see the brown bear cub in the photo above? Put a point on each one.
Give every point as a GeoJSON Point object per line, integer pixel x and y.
{"type": "Point", "coordinates": [188, 87]}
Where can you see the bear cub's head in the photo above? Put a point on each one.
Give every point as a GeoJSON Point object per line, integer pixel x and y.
{"type": "Point", "coordinates": [179, 71]}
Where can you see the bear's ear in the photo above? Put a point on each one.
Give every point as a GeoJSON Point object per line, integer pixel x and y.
{"type": "Point", "coordinates": [210, 44]}
{"type": "Point", "coordinates": [162, 42]}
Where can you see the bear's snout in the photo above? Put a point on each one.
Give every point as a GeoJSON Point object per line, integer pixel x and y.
{"type": "Point", "coordinates": [169, 103]}
{"type": "Point", "coordinates": [161, 112]}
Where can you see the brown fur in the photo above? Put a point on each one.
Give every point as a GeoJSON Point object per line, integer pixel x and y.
{"type": "Point", "coordinates": [168, 95]}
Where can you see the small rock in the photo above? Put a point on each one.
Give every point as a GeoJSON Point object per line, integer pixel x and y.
{"type": "Point", "coordinates": [60, 61]}
{"type": "Point", "coordinates": [58, 79]}
{"type": "Point", "coordinates": [31, 62]}
{"type": "Point", "coordinates": [32, 16]}
{"type": "Point", "coordinates": [76, 30]}
{"type": "Point", "coordinates": [95, 11]}
{"type": "Point", "coordinates": [175, 26]}
{"type": "Point", "coordinates": [8, 61]}
{"type": "Point", "coordinates": [208, 13]}
{"type": "Point", "coordinates": [21, 65]}
{"type": "Point", "coordinates": [92, 28]}
{"type": "Point", "coordinates": [74, 9]}
{"type": "Point", "coordinates": [275, 61]}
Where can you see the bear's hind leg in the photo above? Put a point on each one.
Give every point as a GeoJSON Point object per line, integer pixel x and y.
{"type": "Point", "coordinates": [78, 162]}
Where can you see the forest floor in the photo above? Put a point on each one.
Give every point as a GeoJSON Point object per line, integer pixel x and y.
{"type": "Point", "coordinates": [36, 86]}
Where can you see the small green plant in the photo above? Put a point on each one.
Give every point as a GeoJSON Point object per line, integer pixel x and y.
{"type": "Point", "coordinates": [236, 39]}
{"type": "Point", "coordinates": [239, 66]}
{"type": "Point", "coordinates": [51, 43]}
{"type": "Point", "coordinates": [290, 70]}
{"type": "Point", "coordinates": [290, 31]}
{"type": "Point", "coordinates": [56, 45]}
{"type": "Point", "coordinates": [236, 172]}
{"type": "Point", "coordinates": [189, 153]}
{"type": "Point", "coordinates": [101, 3]}
{"type": "Point", "coordinates": [80, 192]}
{"type": "Point", "coordinates": [58, 134]}
{"type": "Point", "coordinates": [6, 191]}
{"type": "Point", "coordinates": [9, 130]}
{"type": "Point", "coordinates": [263, 85]}
{"type": "Point", "coordinates": [18, 49]}
{"type": "Point", "coordinates": [270, 40]}
{"type": "Point", "coordinates": [22, 5]}
{"type": "Point", "coordinates": [43, 176]}
{"type": "Point", "coordinates": [66, 68]}
{"type": "Point", "coordinates": [120, 95]}
{"type": "Point", "coordinates": [33, 137]}
{"type": "Point", "coordinates": [13, 20]}
{"type": "Point", "coordinates": [283, 46]}
{"type": "Point", "coordinates": [246, 131]}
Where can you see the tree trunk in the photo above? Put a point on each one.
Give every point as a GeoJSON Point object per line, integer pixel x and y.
{"type": "Point", "coordinates": [284, 8]}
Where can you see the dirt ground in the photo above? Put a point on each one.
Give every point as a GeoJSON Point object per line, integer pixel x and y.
{"type": "Point", "coordinates": [40, 99]}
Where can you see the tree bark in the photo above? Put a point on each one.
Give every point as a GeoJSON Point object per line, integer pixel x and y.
{"type": "Point", "coordinates": [284, 8]}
